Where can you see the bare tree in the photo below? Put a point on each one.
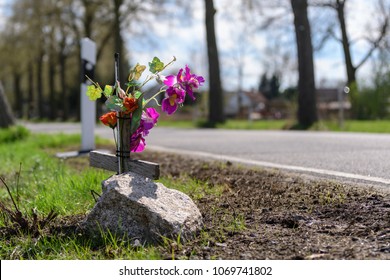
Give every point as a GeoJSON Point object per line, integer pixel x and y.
{"type": "Point", "coordinates": [307, 110]}
{"type": "Point", "coordinates": [46, 34]}
{"type": "Point", "coordinates": [339, 6]}
{"type": "Point", "coordinates": [216, 114]}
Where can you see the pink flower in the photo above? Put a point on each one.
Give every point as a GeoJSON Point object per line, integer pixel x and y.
{"type": "Point", "coordinates": [173, 97]}
{"type": "Point", "coordinates": [178, 87]}
{"type": "Point", "coordinates": [149, 119]}
{"type": "Point", "coordinates": [189, 81]}
{"type": "Point", "coordinates": [137, 143]}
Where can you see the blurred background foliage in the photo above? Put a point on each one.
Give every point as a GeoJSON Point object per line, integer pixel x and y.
{"type": "Point", "coordinates": [40, 50]}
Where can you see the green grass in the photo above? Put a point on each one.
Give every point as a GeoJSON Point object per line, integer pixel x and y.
{"type": "Point", "coordinates": [370, 126]}
{"type": "Point", "coordinates": [192, 187]}
{"type": "Point", "coordinates": [13, 134]}
{"type": "Point", "coordinates": [258, 125]}
{"type": "Point", "coordinates": [45, 183]}
{"type": "Point", "coordinates": [73, 247]}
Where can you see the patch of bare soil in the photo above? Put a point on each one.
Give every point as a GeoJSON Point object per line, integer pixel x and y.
{"type": "Point", "coordinates": [265, 214]}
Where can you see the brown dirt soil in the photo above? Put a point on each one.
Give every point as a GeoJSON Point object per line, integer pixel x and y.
{"type": "Point", "coordinates": [267, 214]}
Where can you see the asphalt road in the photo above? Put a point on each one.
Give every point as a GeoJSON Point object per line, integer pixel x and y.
{"type": "Point", "coordinates": [359, 157]}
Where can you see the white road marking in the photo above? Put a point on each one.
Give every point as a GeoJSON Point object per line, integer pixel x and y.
{"type": "Point", "coordinates": [323, 172]}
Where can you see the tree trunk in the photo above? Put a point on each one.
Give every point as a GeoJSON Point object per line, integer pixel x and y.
{"type": "Point", "coordinates": [307, 109]}
{"type": "Point", "coordinates": [52, 93]}
{"type": "Point", "coordinates": [64, 94]}
{"type": "Point", "coordinates": [18, 100]}
{"type": "Point", "coordinates": [216, 114]}
{"type": "Point", "coordinates": [40, 101]}
{"type": "Point", "coordinates": [30, 101]}
{"type": "Point", "coordinates": [89, 14]}
{"type": "Point", "coordinates": [6, 117]}
{"type": "Point", "coordinates": [351, 70]}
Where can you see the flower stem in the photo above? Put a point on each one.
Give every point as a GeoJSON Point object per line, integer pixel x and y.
{"type": "Point", "coordinates": [94, 83]}
{"type": "Point", "coordinates": [116, 142]}
{"type": "Point", "coordinates": [148, 78]}
{"type": "Point", "coordinates": [169, 63]}
{"type": "Point", "coordinates": [154, 97]}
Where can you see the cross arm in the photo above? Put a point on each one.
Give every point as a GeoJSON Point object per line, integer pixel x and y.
{"type": "Point", "coordinates": [110, 162]}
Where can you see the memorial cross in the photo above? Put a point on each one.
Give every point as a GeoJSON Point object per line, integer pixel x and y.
{"type": "Point", "coordinates": [121, 161]}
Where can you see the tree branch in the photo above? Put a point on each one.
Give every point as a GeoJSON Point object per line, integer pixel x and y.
{"type": "Point", "coordinates": [375, 43]}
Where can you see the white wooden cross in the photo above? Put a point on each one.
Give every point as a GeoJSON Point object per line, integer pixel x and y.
{"type": "Point", "coordinates": [121, 162]}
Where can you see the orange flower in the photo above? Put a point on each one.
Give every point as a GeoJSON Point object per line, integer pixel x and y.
{"type": "Point", "coordinates": [109, 119]}
{"type": "Point", "coordinates": [130, 104]}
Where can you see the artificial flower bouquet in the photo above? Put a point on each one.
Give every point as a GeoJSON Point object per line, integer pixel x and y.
{"type": "Point", "coordinates": [131, 104]}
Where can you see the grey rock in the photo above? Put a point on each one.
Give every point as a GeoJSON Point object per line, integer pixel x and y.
{"type": "Point", "coordinates": [134, 206]}
{"type": "Point", "coordinates": [136, 243]}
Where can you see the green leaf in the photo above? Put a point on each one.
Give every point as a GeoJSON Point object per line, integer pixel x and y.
{"type": "Point", "coordinates": [136, 117]}
{"type": "Point", "coordinates": [108, 91]}
{"type": "Point", "coordinates": [133, 84]}
{"type": "Point", "coordinates": [137, 94]}
{"type": "Point", "coordinates": [156, 65]}
{"type": "Point", "coordinates": [114, 103]}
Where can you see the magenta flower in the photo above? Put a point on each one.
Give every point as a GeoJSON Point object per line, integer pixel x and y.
{"type": "Point", "coordinates": [171, 80]}
{"type": "Point", "coordinates": [148, 120]}
{"type": "Point", "coordinates": [137, 143]}
{"type": "Point", "coordinates": [190, 81]}
{"type": "Point", "coordinates": [178, 87]}
{"type": "Point", "coordinates": [174, 96]}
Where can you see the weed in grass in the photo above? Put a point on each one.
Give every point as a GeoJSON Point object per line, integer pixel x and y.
{"type": "Point", "coordinates": [171, 246]}
{"type": "Point", "coordinates": [336, 197]}
{"type": "Point", "coordinates": [16, 221]}
{"type": "Point", "coordinates": [236, 224]}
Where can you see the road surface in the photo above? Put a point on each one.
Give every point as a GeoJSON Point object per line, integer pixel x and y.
{"type": "Point", "coordinates": [359, 157]}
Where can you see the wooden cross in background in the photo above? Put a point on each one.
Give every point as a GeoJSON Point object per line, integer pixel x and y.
{"type": "Point", "coordinates": [121, 162]}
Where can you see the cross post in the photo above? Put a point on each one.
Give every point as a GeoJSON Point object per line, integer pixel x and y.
{"type": "Point", "coordinates": [121, 161]}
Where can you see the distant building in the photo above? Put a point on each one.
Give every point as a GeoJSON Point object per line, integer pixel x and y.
{"type": "Point", "coordinates": [245, 104]}
{"type": "Point", "coordinates": [328, 103]}
{"type": "Point", "coordinates": [254, 105]}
